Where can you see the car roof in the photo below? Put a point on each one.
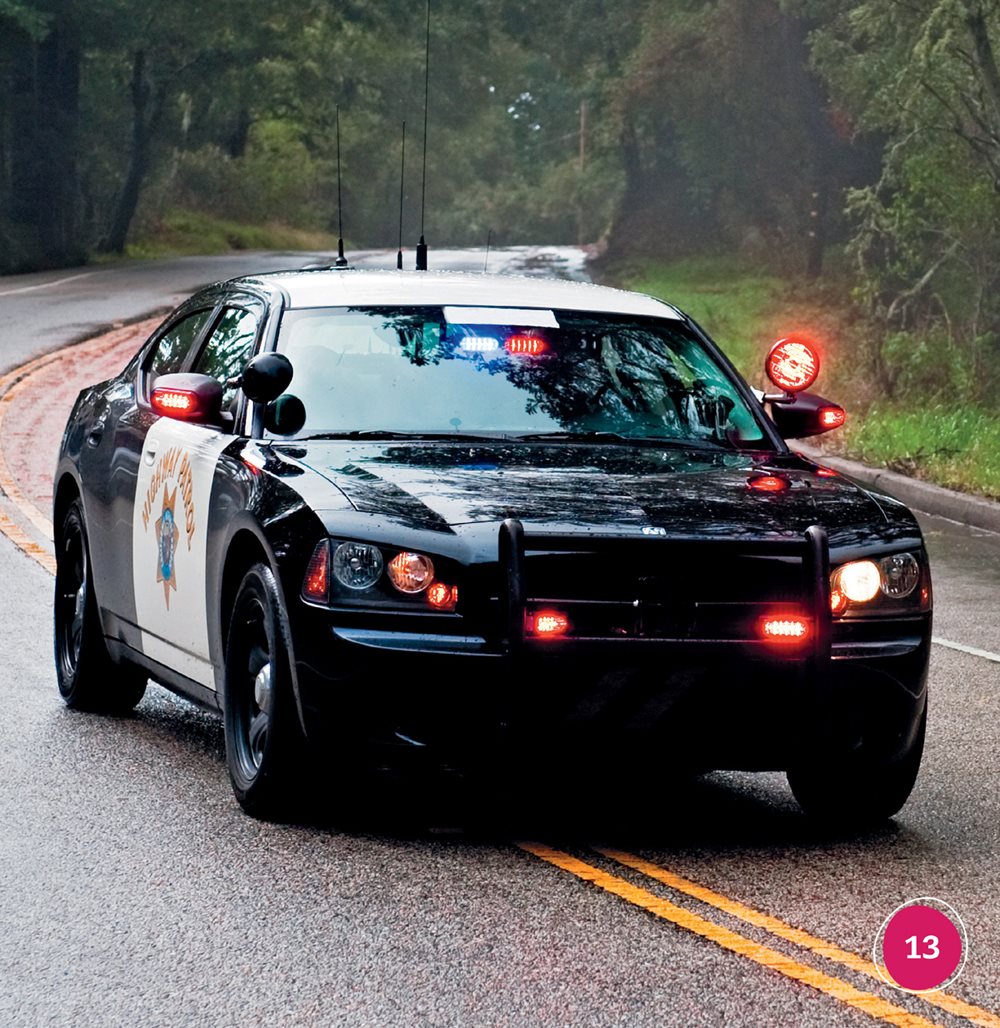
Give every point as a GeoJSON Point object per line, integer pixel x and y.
{"type": "Point", "coordinates": [349, 287]}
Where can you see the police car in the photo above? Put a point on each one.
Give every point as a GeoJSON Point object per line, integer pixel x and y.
{"type": "Point", "coordinates": [462, 515]}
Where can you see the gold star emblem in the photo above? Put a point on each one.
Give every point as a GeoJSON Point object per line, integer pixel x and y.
{"type": "Point", "coordinates": [167, 534]}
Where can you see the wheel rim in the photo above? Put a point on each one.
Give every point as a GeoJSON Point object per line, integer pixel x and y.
{"type": "Point", "coordinates": [254, 695]}
{"type": "Point", "coordinates": [71, 598]}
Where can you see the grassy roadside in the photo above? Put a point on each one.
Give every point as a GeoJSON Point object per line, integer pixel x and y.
{"type": "Point", "coordinates": [183, 233]}
{"type": "Point", "coordinates": [745, 309]}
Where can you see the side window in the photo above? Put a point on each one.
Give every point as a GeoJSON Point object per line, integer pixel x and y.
{"type": "Point", "coordinates": [172, 349]}
{"type": "Point", "coordinates": [227, 351]}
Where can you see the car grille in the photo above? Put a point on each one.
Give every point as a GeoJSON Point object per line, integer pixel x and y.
{"type": "Point", "coordinates": [654, 589]}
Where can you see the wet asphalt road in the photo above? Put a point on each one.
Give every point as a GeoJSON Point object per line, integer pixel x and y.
{"type": "Point", "coordinates": [133, 891]}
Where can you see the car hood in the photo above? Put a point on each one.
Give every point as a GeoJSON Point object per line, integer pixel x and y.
{"type": "Point", "coordinates": [598, 487]}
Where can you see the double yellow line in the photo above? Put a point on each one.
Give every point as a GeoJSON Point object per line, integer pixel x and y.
{"type": "Point", "coordinates": [829, 985]}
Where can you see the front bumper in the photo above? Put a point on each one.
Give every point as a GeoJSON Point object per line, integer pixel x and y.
{"type": "Point", "coordinates": [695, 706]}
{"type": "Point", "coordinates": [416, 683]}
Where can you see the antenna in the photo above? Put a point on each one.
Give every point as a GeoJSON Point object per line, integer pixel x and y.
{"type": "Point", "coordinates": [422, 245]}
{"type": "Point", "coordinates": [341, 261]}
{"type": "Point", "coordinates": [489, 240]}
{"type": "Point", "coordinates": [402, 179]}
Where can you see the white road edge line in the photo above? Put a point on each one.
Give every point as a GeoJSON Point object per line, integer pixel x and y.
{"type": "Point", "coordinates": [46, 285]}
{"type": "Point", "coordinates": [985, 654]}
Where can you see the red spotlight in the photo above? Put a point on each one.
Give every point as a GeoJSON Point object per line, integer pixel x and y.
{"type": "Point", "coordinates": [792, 365]}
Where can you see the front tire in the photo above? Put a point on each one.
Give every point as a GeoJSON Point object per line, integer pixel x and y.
{"type": "Point", "coordinates": [852, 792]}
{"type": "Point", "coordinates": [88, 678]}
{"type": "Point", "coordinates": [265, 744]}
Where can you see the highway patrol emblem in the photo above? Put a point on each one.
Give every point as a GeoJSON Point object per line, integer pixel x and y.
{"type": "Point", "coordinates": [167, 534]}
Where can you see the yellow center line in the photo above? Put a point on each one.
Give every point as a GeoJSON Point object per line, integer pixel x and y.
{"type": "Point", "coordinates": [774, 925]}
{"type": "Point", "coordinates": [839, 990]}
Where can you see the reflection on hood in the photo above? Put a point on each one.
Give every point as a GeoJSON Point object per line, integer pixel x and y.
{"type": "Point", "coordinates": [590, 487]}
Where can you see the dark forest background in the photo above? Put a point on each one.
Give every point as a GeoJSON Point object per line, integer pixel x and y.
{"type": "Point", "coordinates": [819, 140]}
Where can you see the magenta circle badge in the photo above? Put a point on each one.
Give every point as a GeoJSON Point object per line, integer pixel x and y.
{"type": "Point", "coordinates": [921, 946]}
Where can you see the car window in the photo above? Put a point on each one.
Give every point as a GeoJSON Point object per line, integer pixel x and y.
{"type": "Point", "coordinates": [227, 351]}
{"type": "Point", "coordinates": [416, 370]}
{"type": "Point", "coordinates": [174, 346]}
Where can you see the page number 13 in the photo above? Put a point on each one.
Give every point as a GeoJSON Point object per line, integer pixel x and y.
{"type": "Point", "coordinates": [931, 953]}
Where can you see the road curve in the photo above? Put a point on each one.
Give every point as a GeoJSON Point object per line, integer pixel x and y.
{"type": "Point", "coordinates": [132, 890]}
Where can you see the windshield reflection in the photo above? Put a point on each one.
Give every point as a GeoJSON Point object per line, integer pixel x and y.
{"type": "Point", "coordinates": [608, 377]}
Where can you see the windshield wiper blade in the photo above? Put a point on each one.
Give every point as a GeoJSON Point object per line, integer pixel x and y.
{"type": "Point", "coordinates": [381, 433]}
{"type": "Point", "coordinates": [615, 437]}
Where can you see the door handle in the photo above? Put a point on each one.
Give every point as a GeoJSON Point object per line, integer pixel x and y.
{"type": "Point", "coordinates": [96, 433]}
{"type": "Point", "coordinates": [150, 455]}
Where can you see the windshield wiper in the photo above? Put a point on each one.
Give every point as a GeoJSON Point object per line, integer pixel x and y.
{"type": "Point", "coordinates": [380, 433]}
{"type": "Point", "coordinates": [616, 437]}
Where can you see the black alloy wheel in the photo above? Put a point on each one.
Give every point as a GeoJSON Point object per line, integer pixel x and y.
{"type": "Point", "coordinates": [265, 745]}
{"type": "Point", "coordinates": [87, 676]}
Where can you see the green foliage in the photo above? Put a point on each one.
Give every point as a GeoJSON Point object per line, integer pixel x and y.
{"type": "Point", "coordinates": [951, 444]}
{"type": "Point", "coordinates": [27, 18]}
{"type": "Point", "coordinates": [734, 303]}
{"type": "Point", "coordinates": [183, 232]}
{"type": "Point", "coordinates": [927, 243]}
{"type": "Point", "coordinates": [933, 432]}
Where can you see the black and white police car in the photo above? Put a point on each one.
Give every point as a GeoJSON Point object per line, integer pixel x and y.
{"type": "Point", "coordinates": [363, 511]}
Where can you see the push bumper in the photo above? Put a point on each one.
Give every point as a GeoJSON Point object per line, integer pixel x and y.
{"type": "Point", "coordinates": [697, 703]}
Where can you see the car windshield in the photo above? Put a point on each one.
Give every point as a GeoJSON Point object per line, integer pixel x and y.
{"type": "Point", "coordinates": [451, 371]}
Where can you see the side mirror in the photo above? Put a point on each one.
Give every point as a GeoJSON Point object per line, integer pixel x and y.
{"type": "Point", "coordinates": [285, 416]}
{"type": "Point", "coordinates": [810, 414]}
{"type": "Point", "coordinates": [188, 397]}
{"type": "Point", "coordinates": [266, 377]}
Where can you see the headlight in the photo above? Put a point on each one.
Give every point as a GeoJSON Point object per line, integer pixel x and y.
{"type": "Point", "coordinates": [357, 565]}
{"type": "Point", "coordinates": [858, 581]}
{"type": "Point", "coordinates": [411, 572]}
{"type": "Point", "coordinates": [882, 585]}
{"type": "Point", "coordinates": [372, 577]}
{"type": "Point", "coordinates": [900, 575]}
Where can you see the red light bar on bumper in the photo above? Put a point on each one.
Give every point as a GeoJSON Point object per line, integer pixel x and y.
{"type": "Point", "coordinates": [784, 629]}
{"type": "Point", "coordinates": [547, 624]}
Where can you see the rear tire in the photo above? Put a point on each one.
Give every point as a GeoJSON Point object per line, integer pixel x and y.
{"type": "Point", "coordinates": [266, 750]}
{"type": "Point", "coordinates": [88, 678]}
{"type": "Point", "coordinates": [852, 792]}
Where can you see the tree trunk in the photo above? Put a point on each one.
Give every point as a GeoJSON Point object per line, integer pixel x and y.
{"type": "Point", "coordinates": [147, 106]}
{"type": "Point", "coordinates": [42, 142]}
{"type": "Point", "coordinates": [236, 144]}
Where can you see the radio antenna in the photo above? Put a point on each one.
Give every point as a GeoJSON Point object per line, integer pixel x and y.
{"type": "Point", "coordinates": [402, 179]}
{"type": "Point", "coordinates": [489, 240]}
{"type": "Point", "coordinates": [341, 261]}
{"type": "Point", "coordinates": [422, 245]}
